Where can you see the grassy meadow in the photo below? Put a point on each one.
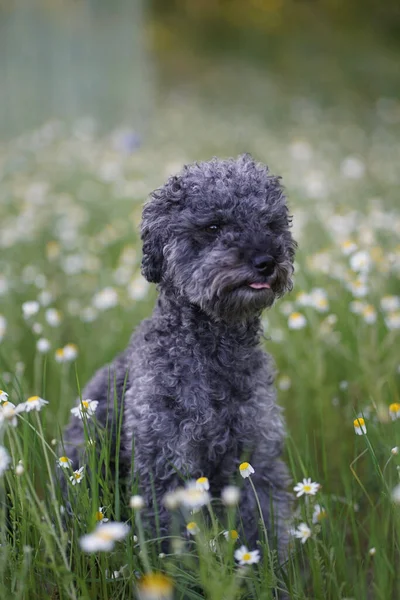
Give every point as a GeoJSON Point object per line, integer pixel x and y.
{"type": "Point", "coordinates": [71, 293]}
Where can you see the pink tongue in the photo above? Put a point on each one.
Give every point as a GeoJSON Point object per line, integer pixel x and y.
{"type": "Point", "coordinates": [259, 286]}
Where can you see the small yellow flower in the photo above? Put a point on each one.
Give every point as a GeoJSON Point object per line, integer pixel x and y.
{"type": "Point", "coordinates": [359, 426]}
{"type": "Point", "coordinates": [232, 534]}
{"type": "Point", "coordinates": [59, 355]}
{"type": "Point", "coordinates": [245, 469]}
{"type": "Point", "coordinates": [33, 403]}
{"type": "Point", "coordinates": [64, 462]}
{"type": "Point", "coordinates": [100, 518]}
{"type": "Point", "coordinates": [155, 586]}
{"type": "Point", "coordinates": [247, 557]}
{"type": "Point", "coordinates": [77, 476]}
{"type": "Point", "coordinates": [307, 487]}
{"type": "Point", "coordinates": [192, 528]}
{"type": "Point", "coordinates": [297, 321]}
{"type": "Point", "coordinates": [394, 411]}
{"type": "Point", "coordinates": [202, 483]}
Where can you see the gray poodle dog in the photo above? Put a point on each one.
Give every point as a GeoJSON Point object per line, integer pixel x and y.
{"type": "Point", "coordinates": [197, 387]}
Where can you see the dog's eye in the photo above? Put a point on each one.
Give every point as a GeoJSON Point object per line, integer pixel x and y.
{"type": "Point", "coordinates": [212, 228]}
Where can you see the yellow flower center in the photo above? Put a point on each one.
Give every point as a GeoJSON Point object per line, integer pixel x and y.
{"type": "Point", "coordinates": [233, 534]}
{"type": "Point", "coordinates": [321, 515]}
{"type": "Point", "coordinates": [5, 403]}
{"type": "Point", "coordinates": [64, 459]}
{"type": "Point", "coordinates": [33, 399]}
{"type": "Point", "coordinates": [359, 422]}
{"type": "Point", "coordinates": [60, 352]}
{"type": "Point", "coordinates": [85, 404]}
{"type": "Point", "coordinates": [156, 583]}
{"type": "Point", "coordinates": [1, 392]}
{"type": "Point", "coordinates": [191, 525]}
{"type": "Point", "coordinates": [295, 315]}
{"type": "Point", "coordinates": [105, 535]}
{"type": "Point", "coordinates": [99, 516]}
{"type": "Point", "coordinates": [202, 480]}
{"type": "Point", "coordinates": [246, 556]}
{"type": "Point", "coordinates": [307, 487]}
{"type": "Point", "coordinates": [244, 466]}
{"type": "Point", "coordinates": [77, 476]}
{"type": "Point", "coordinates": [395, 407]}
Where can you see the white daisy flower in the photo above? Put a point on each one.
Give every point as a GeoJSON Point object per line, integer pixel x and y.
{"type": "Point", "coordinates": [100, 518]}
{"type": "Point", "coordinates": [307, 487]}
{"type": "Point", "coordinates": [357, 307]}
{"type": "Point", "coordinates": [369, 314]}
{"type": "Point", "coordinates": [394, 411]}
{"type": "Point", "coordinates": [59, 355]}
{"type": "Point", "coordinates": [372, 551]}
{"type": "Point", "coordinates": [77, 476]}
{"type": "Point", "coordinates": [64, 462]}
{"type": "Point", "coordinates": [359, 426]}
{"type": "Point", "coordinates": [358, 288]}
{"type": "Point", "coordinates": [395, 450]}
{"type": "Point", "coordinates": [230, 495]}
{"type": "Point", "coordinates": [5, 460]}
{"type": "Point", "coordinates": [136, 502]}
{"type": "Point", "coordinates": [33, 403]}
{"type": "Point", "coordinates": [392, 320]}
{"type": "Point", "coordinates": [138, 288]}
{"type": "Point", "coordinates": [192, 528]}
{"type": "Point", "coordinates": [302, 299]}
{"type": "Point", "coordinates": [86, 408]}
{"type": "Point", "coordinates": [284, 383]}
{"type": "Point", "coordinates": [202, 483]}
{"type": "Point", "coordinates": [3, 396]}
{"type": "Point", "coordinates": [297, 321]}
{"type": "Point", "coordinates": [232, 534]}
{"type": "Point", "coordinates": [360, 262]}
{"type": "Point", "coordinates": [247, 557]}
{"type": "Point", "coordinates": [319, 514]}
{"type": "Point", "coordinates": [319, 300]}
{"type": "Point", "coordinates": [53, 317]}
{"type": "Point", "coordinates": [352, 168]}
{"type": "Point", "coordinates": [303, 532]}
{"type": "Point", "coordinates": [348, 247]}
{"type": "Point", "coordinates": [105, 299]}
{"type": "Point", "coordinates": [390, 303]}
{"type": "Point", "coordinates": [8, 414]}
{"type": "Point", "coordinates": [30, 308]}
{"type": "Point", "coordinates": [193, 498]}
{"type": "Point", "coordinates": [43, 345]}
{"type": "Point", "coordinates": [245, 469]}
{"type": "Point", "coordinates": [104, 537]}
{"type": "Point", "coordinates": [70, 352]}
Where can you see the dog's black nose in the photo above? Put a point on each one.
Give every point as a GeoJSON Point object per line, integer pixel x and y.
{"type": "Point", "coordinates": [264, 264]}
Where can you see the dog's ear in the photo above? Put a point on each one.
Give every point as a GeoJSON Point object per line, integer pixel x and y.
{"type": "Point", "coordinates": [155, 227]}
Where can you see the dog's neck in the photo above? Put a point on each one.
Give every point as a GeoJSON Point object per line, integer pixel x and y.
{"type": "Point", "coordinates": [182, 314]}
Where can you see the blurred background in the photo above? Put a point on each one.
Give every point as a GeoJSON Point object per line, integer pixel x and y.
{"type": "Point", "coordinates": [101, 100]}
{"type": "Point", "coordinates": [114, 60]}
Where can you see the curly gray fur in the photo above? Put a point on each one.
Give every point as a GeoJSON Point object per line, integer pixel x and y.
{"type": "Point", "coordinates": [199, 394]}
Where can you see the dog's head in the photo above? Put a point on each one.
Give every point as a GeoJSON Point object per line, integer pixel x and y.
{"type": "Point", "coordinates": [219, 234]}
